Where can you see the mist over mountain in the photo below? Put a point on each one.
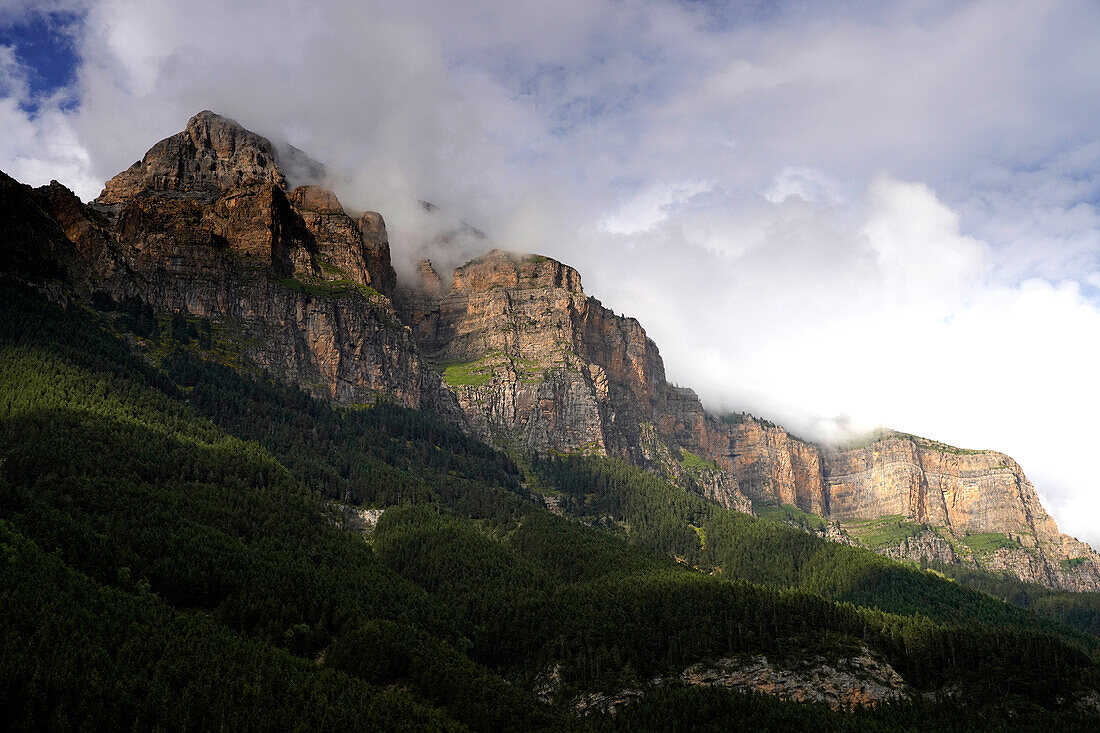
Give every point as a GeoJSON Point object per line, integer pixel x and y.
{"type": "Point", "coordinates": [864, 198]}
{"type": "Point", "coordinates": [598, 367]}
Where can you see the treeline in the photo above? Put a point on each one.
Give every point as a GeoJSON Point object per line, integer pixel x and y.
{"type": "Point", "coordinates": [668, 519]}
{"type": "Point", "coordinates": [132, 489]}
{"type": "Point", "coordinates": [1080, 611]}
{"type": "Point", "coordinates": [181, 510]}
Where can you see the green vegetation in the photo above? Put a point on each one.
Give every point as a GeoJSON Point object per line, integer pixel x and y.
{"type": "Point", "coordinates": [181, 566]}
{"type": "Point", "coordinates": [938, 446]}
{"type": "Point", "coordinates": [479, 371]}
{"type": "Point", "coordinates": [328, 268]}
{"type": "Point", "coordinates": [693, 462]}
{"type": "Point", "coordinates": [329, 288]}
{"type": "Point", "coordinates": [736, 418]}
{"type": "Point", "coordinates": [881, 434]}
{"type": "Point", "coordinates": [790, 514]}
{"type": "Point", "coordinates": [471, 373]}
{"type": "Point", "coordinates": [1080, 611]}
{"type": "Point", "coordinates": [1072, 563]}
{"type": "Point", "coordinates": [987, 543]}
{"type": "Point", "coordinates": [886, 531]}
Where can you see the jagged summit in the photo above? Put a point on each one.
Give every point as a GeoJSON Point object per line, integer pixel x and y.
{"type": "Point", "coordinates": [212, 153]}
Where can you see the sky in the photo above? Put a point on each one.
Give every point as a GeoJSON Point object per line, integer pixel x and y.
{"type": "Point", "coordinates": [837, 215]}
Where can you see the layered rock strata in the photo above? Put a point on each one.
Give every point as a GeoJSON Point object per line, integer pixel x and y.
{"type": "Point", "coordinates": [989, 509]}
{"type": "Point", "coordinates": [203, 226]}
{"type": "Point", "coordinates": [538, 364]}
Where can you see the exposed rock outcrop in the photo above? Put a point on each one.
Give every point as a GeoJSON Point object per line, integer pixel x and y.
{"type": "Point", "coordinates": [856, 681]}
{"type": "Point", "coordinates": [212, 154]}
{"type": "Point", "coordinates": [860, 680]}
{"type": "Point", "coordinates": [537, 363]}
{"type": "Point", "coordinates": [346, 248]}
{"type": "Point", "coordinates": [927, 546]}
{"type": "Point", "coordinates": [981, 499]}
{"type": "Point", "coordinates": [203, 226]}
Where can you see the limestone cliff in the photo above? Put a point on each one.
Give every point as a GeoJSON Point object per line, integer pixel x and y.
{"type": "Point", "coordinates": [536, 363]}
{"type": "Point", "coordinates": [986, 510]}
{"type": "Point", "coordinates": [203, 226]}
{"type": "Point", "coordinates": [210, 155]}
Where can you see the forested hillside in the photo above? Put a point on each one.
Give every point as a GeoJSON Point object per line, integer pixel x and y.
{"type": "Point", "coordinates": [176, 555]}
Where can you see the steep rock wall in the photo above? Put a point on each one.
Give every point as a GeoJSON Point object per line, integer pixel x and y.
{"type": "Point", "coordinates": [204, 226]}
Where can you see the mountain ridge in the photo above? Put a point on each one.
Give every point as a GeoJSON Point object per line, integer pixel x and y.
{"type": "Point", "coordinates": [513, 349]}
{"type": "Point", "coordinates": [229, 500]}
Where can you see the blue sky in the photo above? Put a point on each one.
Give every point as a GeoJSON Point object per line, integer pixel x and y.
{"type": "Point", "coordinates": [42, 44]}
{"type": "Point", "coordinates": [835, 214]}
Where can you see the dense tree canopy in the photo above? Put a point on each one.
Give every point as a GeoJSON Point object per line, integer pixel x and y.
{"type": "Point", "coordinates": [175, 554]}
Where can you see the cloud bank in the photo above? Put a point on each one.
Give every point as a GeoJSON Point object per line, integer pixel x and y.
{"type": "Point", "coordinates": [835, 215]}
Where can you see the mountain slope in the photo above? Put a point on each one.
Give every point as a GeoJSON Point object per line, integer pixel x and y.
{"type": "Point", "coordinates": [203, 227]}
{"type": "Point", "coordinates": [463, 585]}
{"type": "Point", "coordinates": [204, 393]}
{"type": "Point", "coordinates": [538, 365]}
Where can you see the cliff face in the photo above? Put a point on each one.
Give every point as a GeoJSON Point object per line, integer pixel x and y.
{"type": "Point", "coordinates": [203, 225]}
{"type": "Point", "coordinates": [988, 510]}
{"type": "Point", "coordinates": [537, 363]}
{"type": "Point", "coordinates": [212, 154]}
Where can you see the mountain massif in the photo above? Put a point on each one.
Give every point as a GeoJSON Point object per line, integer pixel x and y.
{"type": "Point", "coordinates": [513, 349]}
{"type": "Point", "coordinates": [203, 262]}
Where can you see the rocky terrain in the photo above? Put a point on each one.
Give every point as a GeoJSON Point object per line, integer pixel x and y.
{"type": "Point", "coordinates": [538, 364]}
{"type": "Point", "coordinates": [987, 510]}
{"type": "Point", "coordinates": [851, 682]}
{"type": "Point", "coordinates": [204, 226]}
{"type": "Point", "coordinates": [857, 681]}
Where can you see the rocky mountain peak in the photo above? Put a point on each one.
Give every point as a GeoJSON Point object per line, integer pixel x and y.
{"type": "Point", "coordinates": [430, 282]}
{"type": "Point", "coordinates": [316, 198]}
{"type": "Point", "coordinates": [512, 348]}
{"type": "Point", "coordinates": [212, 154]}
{"type": "Point", "coordinates": [502, 269]}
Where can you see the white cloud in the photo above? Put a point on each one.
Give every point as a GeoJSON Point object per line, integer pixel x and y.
{"type": "Point", "coordinates": [916, 239]}
{"type": "Point", "coordinates": [805, 183]}
{"type": "Point", "coordinates": [652, 206]}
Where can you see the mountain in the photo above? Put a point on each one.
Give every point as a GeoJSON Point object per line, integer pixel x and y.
{"type": "Point", "coordinates": [536, 363]}
{"type": "Point", "coordinates": [204, 225]}
{"type": "Point", "coordinates": [249, 480]}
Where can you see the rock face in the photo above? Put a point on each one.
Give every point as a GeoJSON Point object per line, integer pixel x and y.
{"type": "Point", "coordinates": [927, 546]}
{"type": "Point", "coordinates": [538, 364]}
{"type": "Point", "coordinates": [346, 248]}
{"type": "Point", "coordinates": [203, 226]}
{"type": "Point", "coordinates": [860, 680]}
{"type": "Point", "coordinates": [32, 241]}
{"type": "Point", "coordinates": [852, 682]}
{"type": "Point", "coordinates": [991, 513]}
{"type": "Point", "coordinates": [211, 155]}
